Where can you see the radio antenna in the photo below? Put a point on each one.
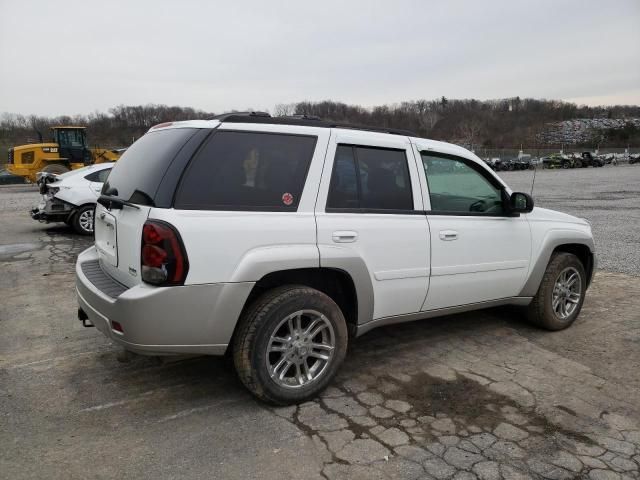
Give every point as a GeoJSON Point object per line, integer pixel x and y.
{"type": "Point", "coordinates": [533, 182]}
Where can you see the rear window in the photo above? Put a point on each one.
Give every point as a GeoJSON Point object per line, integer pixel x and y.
{"type": "Point", "coordinates": [138, 173]}
{"type": "Point", "coordinates": [247, 171]}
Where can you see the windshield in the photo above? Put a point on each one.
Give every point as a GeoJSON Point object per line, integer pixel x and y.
{"type": "Point", "coordinates": [137, 174]}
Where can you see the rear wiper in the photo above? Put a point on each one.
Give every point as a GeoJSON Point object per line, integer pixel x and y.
{"type": "Point", "coordinates": [115, 203]}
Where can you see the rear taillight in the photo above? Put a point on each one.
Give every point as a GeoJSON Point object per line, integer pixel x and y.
{"type": "Point", "coordinates": [162, 257]}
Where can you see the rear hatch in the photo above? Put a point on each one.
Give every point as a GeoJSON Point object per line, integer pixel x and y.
{"type": "Point", "coordinates": [136, 184]}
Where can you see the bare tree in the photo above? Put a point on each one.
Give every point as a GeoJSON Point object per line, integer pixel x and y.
{"type": "Point", "coordinates": [469, 131]}
{"type": "Point", "coordinates": [284, 109]}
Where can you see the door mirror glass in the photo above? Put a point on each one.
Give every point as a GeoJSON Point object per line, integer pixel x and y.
{"type": "Point", "coordinates": [520, 202]}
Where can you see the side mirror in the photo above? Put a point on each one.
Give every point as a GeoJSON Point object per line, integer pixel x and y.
{"type": "Point", "coordinates": [520, 202]}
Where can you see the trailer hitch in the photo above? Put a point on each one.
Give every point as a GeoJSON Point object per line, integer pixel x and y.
{"type": "Point", "coordinates": [84, 318]}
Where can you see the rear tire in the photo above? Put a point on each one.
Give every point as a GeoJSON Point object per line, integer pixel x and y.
{"type": "Point", "coordinates": [561, 294]}
{"type": "Point", "coordinates": [83, 220]}
{"type": "Point", "coordinates": [280, 340]}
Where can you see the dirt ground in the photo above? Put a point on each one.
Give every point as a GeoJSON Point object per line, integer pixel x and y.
{"type": "Point", "coordinates": [474, 396]}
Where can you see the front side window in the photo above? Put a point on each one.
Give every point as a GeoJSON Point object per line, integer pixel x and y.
{"type": "Point", "coordinates": [369, 178]}
{"type": "Point", "coordinates": [456, 187]}
{"type": "Point", "coordinates": [247, 171]}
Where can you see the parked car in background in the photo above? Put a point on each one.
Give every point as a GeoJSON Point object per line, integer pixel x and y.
{"type": "Point", "coordinates": [558, 160]}
{"type": "Point", "coordinates": [504, 164]}
{"type": "Point", "coordinates": [280, 240]}
{"type": "Point", "coordinates": [7, 178]}
{"type": "Point", "coordinates": [71, 197]}
{"type": "Point", "coordinates": [523, 163]}
{"type": "Point", "coordinates": [491, 162]}
{"type": "Point", "coordinates": [588, 160]}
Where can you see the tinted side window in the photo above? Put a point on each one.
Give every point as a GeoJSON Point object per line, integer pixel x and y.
{"type": "Point", "coordinates": [92, 177]}
{"type": "Point", "coordinates": [103, 175]}
{"type": "Point", "coordinates": [343, 191]}
{"type": "Point", "coordinates": [370, 179]}
{"type": "Point", "coordinates": [100, 176]}
{"type": "Point", "coordinates": [384, 179]}
{"type": "Point", "coordinates": [137, 174]}
{"type": "Point", "coordinates": [247, 171]}
{"type": "Point", "coordinates": [454, 186]}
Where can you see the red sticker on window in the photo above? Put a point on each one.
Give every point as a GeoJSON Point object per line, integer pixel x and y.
{"type": "Point", "coordinates": [287, 199]}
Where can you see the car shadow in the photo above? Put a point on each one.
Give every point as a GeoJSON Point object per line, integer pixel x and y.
{"type": "Point", "coordinates": [194, 381]}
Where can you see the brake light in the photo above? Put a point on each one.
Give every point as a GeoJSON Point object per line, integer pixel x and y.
{"type": "Point", "coordinates": [163, 258]}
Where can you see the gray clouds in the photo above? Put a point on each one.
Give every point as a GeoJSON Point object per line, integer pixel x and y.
{"type": "Point", "coordinates": [80, 56]}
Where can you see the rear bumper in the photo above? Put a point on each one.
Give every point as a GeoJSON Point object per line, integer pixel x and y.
{"type": "Point", "coordinates": [193, 319]}
{"type": "Point", "coordinates": [45, 216]}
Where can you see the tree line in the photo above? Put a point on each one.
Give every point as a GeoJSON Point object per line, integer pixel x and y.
{"type": "Point", "coordinates": [474, 123]}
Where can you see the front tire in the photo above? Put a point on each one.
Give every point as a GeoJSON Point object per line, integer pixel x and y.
{"type": "Point", "coordinates": [561, 294]}
{"type": "Point", "coordinates": [83, 221]}
{"type": "Point", "coordinates": [289, 345]}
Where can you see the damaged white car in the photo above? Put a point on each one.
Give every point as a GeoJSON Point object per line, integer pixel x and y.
{"type": "Point", "coordinates": [71, 197]}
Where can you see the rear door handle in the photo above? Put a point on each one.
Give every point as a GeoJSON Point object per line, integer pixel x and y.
{"type": "Point", "coordinates": [344, 236]}
{"type": "Point", "coordinates": [448, 235]}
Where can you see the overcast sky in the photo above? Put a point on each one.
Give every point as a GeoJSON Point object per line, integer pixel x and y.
{"type": "Point", "coordinates": [79, 56]}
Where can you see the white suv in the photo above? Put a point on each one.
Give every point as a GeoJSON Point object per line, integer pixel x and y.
{"type": "Point", "coordinates": [279, 239]}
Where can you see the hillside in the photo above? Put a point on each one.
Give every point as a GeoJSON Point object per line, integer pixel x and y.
{"type": "Point", "coordinates": [504, 123]}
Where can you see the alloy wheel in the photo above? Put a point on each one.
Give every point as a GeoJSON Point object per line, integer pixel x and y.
{"type": "Point", "coordinates": [567, 292]}
{"type": "Point", "coordinates": [300, 349]}
{"type": "Point", "coordinates": [85, 220]}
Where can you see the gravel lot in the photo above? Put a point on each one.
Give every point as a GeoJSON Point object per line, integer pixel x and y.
{"type": "Point", "coordinates": [473, 396]}
{"type": "Point", "coordinates": [608, 197]}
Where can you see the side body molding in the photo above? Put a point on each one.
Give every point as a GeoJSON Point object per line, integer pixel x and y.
{"type": "Point", "coordinates": [343, 259]}
{"type": "Point", "coordinates": [261, 261]}
{"type": "Point", "coordinates": [553, 239]}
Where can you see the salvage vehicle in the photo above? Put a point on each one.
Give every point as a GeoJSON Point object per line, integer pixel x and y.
{"type": "Point", "coordinates": [558, 160]}
{"type": "Point", "coordinates": [588, 160]}
{"type": "Point", "coordinates": [71, 197]}
{"type": "Point", "coordinates": [67, 150]}
{"type": "Point", "coordinates": [7, 178]}
{"type": "Point", "coordinates": [281, 240]}
{"type": "Point", "coordinates": [504, 165]}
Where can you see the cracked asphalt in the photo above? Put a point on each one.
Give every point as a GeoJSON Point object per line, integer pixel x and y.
{"type": "Point", "coordinates": [474, 396]}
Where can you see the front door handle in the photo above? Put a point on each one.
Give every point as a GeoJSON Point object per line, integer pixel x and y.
{"type": "Point", "coordinates": [344, 236]}
{"type": "Point", "coordinates": [448, 235]}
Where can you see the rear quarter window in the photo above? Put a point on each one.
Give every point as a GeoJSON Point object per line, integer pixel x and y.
{"type": "Point", "coordinates": [138, 173]}
{"type": "Point", "coordinates": [247, 171]}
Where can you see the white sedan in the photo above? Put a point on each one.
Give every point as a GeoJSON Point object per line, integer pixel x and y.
{"type": "Point", "coordinates": [71, 197]}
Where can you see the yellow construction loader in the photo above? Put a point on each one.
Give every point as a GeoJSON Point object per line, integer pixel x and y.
{"type": "Point", "coordinates": [68, 150]}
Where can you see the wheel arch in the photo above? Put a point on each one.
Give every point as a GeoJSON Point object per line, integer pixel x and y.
{"type": "Point", "coordinates": [581, 247]}
{"type": "Point", "coordinates": [335, 283]}
{"type": "Point", "coordinates": [584, 254]}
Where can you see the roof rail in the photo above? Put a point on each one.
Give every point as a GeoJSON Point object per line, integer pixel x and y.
{"type": "Point", "coordinates": [304, 120]}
